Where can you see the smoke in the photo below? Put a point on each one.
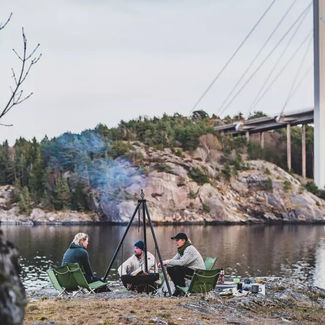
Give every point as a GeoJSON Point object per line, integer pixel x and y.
{"type": "Point", "coordinates": [88, 158]}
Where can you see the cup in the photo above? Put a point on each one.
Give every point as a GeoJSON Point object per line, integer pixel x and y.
{"type": "Point", "coordinates": [254, 288]}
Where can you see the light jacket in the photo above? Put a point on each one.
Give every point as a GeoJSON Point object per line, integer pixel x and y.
{"type": "Point", "coordinates": [191, 258]}
{"type": "Point", "coordinates": [134, 265]}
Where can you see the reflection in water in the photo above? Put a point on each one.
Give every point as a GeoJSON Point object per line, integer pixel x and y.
{"type": "Point", "coordinates": [256, 250]}
{"type": "Point", "coordinates": [319, 274]}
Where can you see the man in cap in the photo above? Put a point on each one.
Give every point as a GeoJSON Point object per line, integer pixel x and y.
{"type": "Point", "coordinates": [184, 262]}
{"type": "Point", "coordinates": [133, 273]}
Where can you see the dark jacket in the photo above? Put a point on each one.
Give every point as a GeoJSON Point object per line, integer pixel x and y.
{"type": "Point", "coordinates": [78, 254]}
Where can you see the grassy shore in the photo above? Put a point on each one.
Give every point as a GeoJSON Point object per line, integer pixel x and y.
{"type": "Point", "coordinates": [172, 311]}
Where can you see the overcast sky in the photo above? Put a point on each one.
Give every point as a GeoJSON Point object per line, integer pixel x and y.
{"type": "Point", "coordinates": [106, 61]}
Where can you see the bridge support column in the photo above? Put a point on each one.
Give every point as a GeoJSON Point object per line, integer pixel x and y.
{"type": "Point", "coordinates": [303, 150]}
{"type": "Point", "coordinates": [319, 92]}
{"type": "Point", "coordinates": [247, 136]}
{"type": "Point", "coordinates": [262, 139]}
{"type": "Point", "coordinates": [289, 146]}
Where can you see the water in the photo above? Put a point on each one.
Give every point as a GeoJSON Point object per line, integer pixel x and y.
{"type": "Point", "coordinates": [254, 250]}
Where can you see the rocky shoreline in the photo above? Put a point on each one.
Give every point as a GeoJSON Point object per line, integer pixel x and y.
{"type": "Point", "coordinates": [287, 301]}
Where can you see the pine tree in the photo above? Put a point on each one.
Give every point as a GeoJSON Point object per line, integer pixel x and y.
{"type": "Point", "coordinates": [25, 201]}
{"type": "Point", "coordinates": [62, 194]}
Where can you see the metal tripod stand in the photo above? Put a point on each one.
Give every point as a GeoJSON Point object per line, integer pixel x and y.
{"type": "Point", "coordinates": [141, 207]}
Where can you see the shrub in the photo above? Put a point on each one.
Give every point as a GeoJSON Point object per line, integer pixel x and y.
{"type": "Point", "coordinates": [254, 151]}
{"type": "Point", "coordinates": [287, 185]}
{"type": "Point", "coordinates": [198, 176]}
{"type": "Point", "coordinates": [312, 187]}
{"type": "Point", "coordinates": [226, 171]}
{"type": "Point", "coordinates": [191, 194]}
{"type": "Point", "coordinates": [120, 148]}
{"type": "Point", "coordinates": [205, 207]}
{"type": "Point", "coordinates": [162, 167]}
{"type": "Point", "coordinates": [267, 185]}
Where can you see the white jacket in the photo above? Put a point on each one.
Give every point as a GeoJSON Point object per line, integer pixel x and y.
{"type": "Point", "coordinates": [134, 265]}
{"type": "Point", "coordinates": [191, 258]}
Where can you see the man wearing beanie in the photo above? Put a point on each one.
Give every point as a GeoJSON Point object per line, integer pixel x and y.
{"type": "Point", "coordinates": [132, 271]}
{"type": "Point", "coordinates": [184, 262]}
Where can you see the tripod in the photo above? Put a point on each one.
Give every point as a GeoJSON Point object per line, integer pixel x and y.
{"type": "Point", "coordinates": [141, 206]}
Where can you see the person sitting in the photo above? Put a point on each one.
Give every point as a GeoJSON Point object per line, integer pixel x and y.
{"type": "Point", "coordinates": [133, 273]}
{"type": "Point", "coordinates": [184, 262]}
{"type": "Point", "coordinates": [77, 253]}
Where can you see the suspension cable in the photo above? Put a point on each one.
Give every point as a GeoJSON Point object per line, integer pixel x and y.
{"type": "Point", "coordinates": [284, 67]}
{"type": "Point", "coordinates": [232, 56]}
{"type": "Point", "coordinates": [265, 59]}
{"type": "Point", "coordinates": [256, 99]}
{"type": "Point", "coordinates": [294, 81]}
{"type": "Point", "coordinates": [307, 71]}
{"type": "Point", "coordinates": [257, 54]}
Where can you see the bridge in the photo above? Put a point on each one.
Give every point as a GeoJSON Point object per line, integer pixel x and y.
{"type": "Point", "coordinates": [268, 123]}
{"type": "Point", "coordinates": [315, 115]}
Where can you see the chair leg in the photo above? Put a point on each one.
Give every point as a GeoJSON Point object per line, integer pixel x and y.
{"type": "Point", "coordinates": [61, 293]}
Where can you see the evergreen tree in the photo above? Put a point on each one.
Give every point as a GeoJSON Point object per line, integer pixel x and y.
{"type": "Point", "coordinates": [62, 194]}
{"type": "Point", "coordinates": [25, 201]}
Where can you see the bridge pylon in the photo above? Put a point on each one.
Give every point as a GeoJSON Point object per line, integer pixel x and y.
{"type": "Point", "coordinates": [319, 92]}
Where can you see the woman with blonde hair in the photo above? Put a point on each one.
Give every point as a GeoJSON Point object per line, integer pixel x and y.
{"type": "Point", "coordinates": [77, 253]}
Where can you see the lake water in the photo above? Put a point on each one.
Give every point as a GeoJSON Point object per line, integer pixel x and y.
{"type": "Point", "coordinates": [254, 250]}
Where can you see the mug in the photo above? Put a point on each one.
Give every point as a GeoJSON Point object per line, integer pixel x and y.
{"type": "Point", "coordinates": [255, 288]}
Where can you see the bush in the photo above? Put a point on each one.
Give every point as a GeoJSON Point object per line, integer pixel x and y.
{"type": "Point", "coordinates": [312, 187]}
{"type": "Point", "coordinates": [287, 185]}
{"type": "Point", "coordinates": [162, 167]}
{"type": "Point", "coordinates": [120, 148]}
{"type": "Point", "coordinates": [267, 185]}
{"type": "Point", "coordinates": [205, 207]}
{"type": "Point", "coordinates": [226, 171]}
{"type": "Point", "coordinates": [254, 151]}
{"type": "Point", "coordinates": [198, 176]}
{"type": "Point", "coordinates": [191, 195]}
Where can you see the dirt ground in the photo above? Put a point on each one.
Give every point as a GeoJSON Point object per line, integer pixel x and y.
{"type": "Point", "coordinates": [168, 311]}
{"type": "Point", "coordinates": [122, 311]}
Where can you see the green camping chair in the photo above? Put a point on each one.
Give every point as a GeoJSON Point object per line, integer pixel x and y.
{"type": "Point", "coordinates": [203, 281]}
{"type": "Point", "coordinates": [81, 280]}
{"type": "Point", "coordinates": [62, 279]}
{"type": "Point", "coordinates": [210, 262]}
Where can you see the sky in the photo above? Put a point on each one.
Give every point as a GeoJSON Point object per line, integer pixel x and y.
{"type": "Point", "coordinates": [107, 61]}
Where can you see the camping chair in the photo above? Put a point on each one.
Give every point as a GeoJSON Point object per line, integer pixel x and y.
{"type": "Point", "coordinates": [81, 281]}
{"type": "Point", "coordinates": [203, 281]}
{"type": "Point", "coordinates": [210, 262]}
{"type": "Point", "coordinates": [62, 279]}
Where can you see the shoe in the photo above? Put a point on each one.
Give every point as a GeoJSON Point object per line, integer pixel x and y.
{"type": "Point", "coordinates": [178, 293]}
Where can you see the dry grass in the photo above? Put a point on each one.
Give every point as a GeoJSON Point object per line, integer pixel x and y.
{"type": "Point", "coordinates": [121, 311]}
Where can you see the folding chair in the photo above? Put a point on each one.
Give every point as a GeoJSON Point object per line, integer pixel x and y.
{"type": "Point", "coordinates": [210, 262]}
{"type": "Point", "coordinates": [62, 279]}
{"type": "Point", "coordinates": [203, 281]}
{"type": "Point", "coordinates": [81, 280]}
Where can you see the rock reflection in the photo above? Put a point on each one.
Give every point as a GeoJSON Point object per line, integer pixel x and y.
{"type": "Point", "coordinates": [242, 250]}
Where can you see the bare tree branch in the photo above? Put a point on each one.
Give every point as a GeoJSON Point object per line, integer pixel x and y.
{"type": "Point", "coordinates": [28, 60]}
{"type": "Point", "coordinates": [2, 26]}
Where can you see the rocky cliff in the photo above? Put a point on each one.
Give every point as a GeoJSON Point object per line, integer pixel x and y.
{"type": "Point", "coordinates": [194, 188]}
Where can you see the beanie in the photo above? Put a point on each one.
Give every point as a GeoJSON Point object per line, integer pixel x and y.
{"type": "Point", "coordinates": [139, 244]}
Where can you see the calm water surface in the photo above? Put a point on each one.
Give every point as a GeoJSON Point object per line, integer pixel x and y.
{"type": "Point", "coordinates": [255, 250]}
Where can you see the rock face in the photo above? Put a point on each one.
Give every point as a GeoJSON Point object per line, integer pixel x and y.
{"type": "Point", "coordinates": [12, 293]}
{"type": "Point", "coordinates": [259, 193]}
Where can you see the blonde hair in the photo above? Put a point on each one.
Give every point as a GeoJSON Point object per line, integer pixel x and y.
{"type": "Point", "coordinates": [78, 237]}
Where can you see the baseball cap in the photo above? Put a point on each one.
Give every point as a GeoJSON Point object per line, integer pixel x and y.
{"type": "Point", "coordinates": [180, 235]}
